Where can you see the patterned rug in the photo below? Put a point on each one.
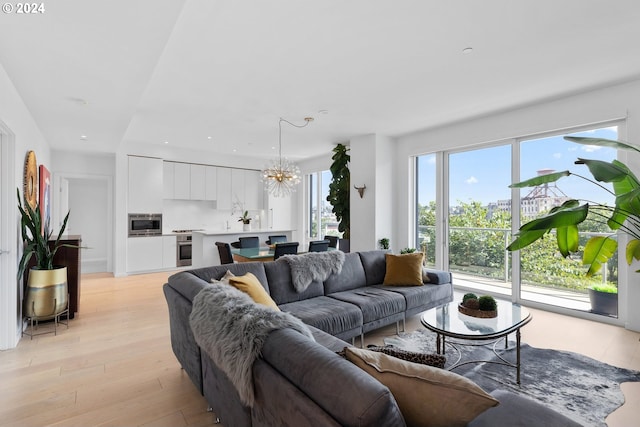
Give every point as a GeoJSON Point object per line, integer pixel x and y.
{"type": "Point", "coordinates": [582, 388]}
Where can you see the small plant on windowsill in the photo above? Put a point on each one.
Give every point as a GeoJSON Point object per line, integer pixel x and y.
{"type": "Point", "coordinates": [384, 243]}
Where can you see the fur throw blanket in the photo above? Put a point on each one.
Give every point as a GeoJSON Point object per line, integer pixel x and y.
{"type": "Point", "coordinates": [305, 268]}
{"type": "Point", "coordinates": [232, 329]}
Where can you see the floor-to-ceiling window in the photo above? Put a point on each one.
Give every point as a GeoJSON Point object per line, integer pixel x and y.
{"type": "Point", "coordinates": [426, 207]}
{"type": "Point", "coordinates": [478, 224]}
{"type": "Point", "coordinates": [321, 221]}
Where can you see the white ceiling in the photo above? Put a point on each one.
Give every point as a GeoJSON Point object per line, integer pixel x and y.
{"type": "Point", "coordinates": [217, 74]}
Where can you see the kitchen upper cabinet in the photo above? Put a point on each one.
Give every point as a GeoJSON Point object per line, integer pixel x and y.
{"type": "Point", "coordinates": [223, 185]}
{"type": "Point", "coordinates": [145, 185]}
{"type": "Point", "coordinates": [237, 186]}
{"type": "Point", "coordinates": [253, 190]}
{"type": "Point", "coordinates": [168, 176]}
{"type": "Point", "coordinates": [182, 181]}
{"type": "Point", "coordinates": [211, 183]}
{"type": "Point", "coordinates": [198, 173]}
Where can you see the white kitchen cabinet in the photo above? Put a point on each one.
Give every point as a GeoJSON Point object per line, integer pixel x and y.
{"type": "Point", "coordinates": [168, 176]}
{"type": "Point", "coordinates": [223, 186]}
{"type": "Point", "coordinates": [182, 181]}
{"type": "Point", "coordinates": [144, 254]}
{"type": "Point", "coordinates": [237, 186]}
{"type": "Point", "coordinates": [253, 190]}
{"type": "Point", "coordinates": [280, 214]}
{"type": "Point", "coordinates": [211, 183]}
{"type": "Point", "coordinates": [169, 252]}
{"type": "Point", "coordinates": [145, 188]}
{"type": "Point", "coordinates": [198, 173]}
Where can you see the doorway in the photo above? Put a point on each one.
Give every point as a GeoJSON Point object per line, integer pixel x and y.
{"type": "Point", "coordinates": [10, 296]}
{"type": "Point", "coordinates": [89, 200]}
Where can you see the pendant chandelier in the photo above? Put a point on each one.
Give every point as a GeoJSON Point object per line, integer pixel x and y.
{"type": "Point", "coordinates": [281, 176]}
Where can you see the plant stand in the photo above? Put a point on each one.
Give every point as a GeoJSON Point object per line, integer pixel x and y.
{"type": "Point", "coordinates": [34, 322]}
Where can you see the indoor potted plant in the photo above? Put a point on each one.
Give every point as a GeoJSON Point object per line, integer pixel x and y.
{"type": "Point", "coordinates": [246, 221]}
{"type": "Point", "coordinates": [340, 191]}
{"type": "Point", "coordinates": [624, 215]}
{"type": "Point", "coordinates": [46, 294]}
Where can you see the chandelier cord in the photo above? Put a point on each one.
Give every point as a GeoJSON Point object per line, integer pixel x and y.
{"type": "Point", "coordinates": [307, 121]}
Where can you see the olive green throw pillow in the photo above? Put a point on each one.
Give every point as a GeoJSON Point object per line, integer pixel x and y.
{"type": "Point", "coordinates": [404, 269]}
{"type": "Point", "coordinates": [427, 396]}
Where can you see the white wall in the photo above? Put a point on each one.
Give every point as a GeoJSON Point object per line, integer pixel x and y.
{"type": "Point", "coordinates": [615, 102]}
{"type": "Point", "coordinates": [25, 136]}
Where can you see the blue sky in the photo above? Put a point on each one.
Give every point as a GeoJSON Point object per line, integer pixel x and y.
{"type": "Point", "coordinates": [485, 174]}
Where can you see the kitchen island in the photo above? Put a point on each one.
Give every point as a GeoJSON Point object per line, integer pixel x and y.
{"type": "Point", "coordinates": [204, 252]}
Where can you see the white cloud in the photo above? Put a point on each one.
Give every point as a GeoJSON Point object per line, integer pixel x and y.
{"type": "Point", "coordinates": [557, 155]}
{"type": "Point", "coordinates": [590, 148]}
{"type": "Point", "coordinates": [471, 180]}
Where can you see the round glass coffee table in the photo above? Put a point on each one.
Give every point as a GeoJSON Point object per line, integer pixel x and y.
{"type": "Point", "coordinates": [447, 322]}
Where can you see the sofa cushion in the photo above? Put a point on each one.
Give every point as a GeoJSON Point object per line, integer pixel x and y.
{"type": "Point", "coordinates": [352, 276]}
{"type": "Point", "coordinates": [427, 396]}
{"type": "Point", "coordinates": [281, 287]}
{"type": "Point", "coordinates": [404, 269]}
{"type": "Point", "coordinates": [327, 314]}
{"type": "Point", "coordinates": [420, 296]}
{"type": "Point", "coordinates": [519, 411]}
{"type": "Point", "coordinates": [250, 285]}
{"type": "Point", "coordinates": [375, 266]}
{"type": "Point", "coordinates": [374, 303]}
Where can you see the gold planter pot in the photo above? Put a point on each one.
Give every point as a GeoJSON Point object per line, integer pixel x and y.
{"type": "Point", "coordinates": [47, 293]}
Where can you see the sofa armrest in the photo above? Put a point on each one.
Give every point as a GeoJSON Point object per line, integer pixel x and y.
{"type": "Point", "coordinates": [435, 277]}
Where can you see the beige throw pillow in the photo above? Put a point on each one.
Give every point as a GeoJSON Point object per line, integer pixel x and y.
{"type": "Point", "coordinates": [427, 396]}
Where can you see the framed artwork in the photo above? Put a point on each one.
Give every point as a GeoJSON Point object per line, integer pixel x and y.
{"type": "Point", "coordinates": [45, 198]}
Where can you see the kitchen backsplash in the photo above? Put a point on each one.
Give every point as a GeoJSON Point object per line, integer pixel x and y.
{"type": "Point", "coordinates": [190, 214]}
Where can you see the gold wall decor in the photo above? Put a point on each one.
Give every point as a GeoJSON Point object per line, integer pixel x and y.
{"type": "Point", "coordinates": [30, 189]}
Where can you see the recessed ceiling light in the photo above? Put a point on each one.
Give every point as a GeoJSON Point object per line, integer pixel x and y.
{"type": "Point", "coordinates": [467, 50]}
{"type": "Point", "coordinates": [166, 142]}
{"type": "Point", "coordinates": [83, 137]}
{"type": "Point", "coordinates": [209, 137]}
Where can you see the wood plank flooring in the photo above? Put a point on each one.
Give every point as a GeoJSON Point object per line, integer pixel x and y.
{"type": "Point", "coordinates": [114, 365]}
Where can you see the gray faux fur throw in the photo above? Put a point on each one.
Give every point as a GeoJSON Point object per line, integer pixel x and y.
{"type": "Point", "coordinates": [232, 329]}
{"type": "Point", "coordinates": [305, 268]}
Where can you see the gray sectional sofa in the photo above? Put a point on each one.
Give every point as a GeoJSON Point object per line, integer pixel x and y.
{"type": "Point", "coordinates": [303, 382]}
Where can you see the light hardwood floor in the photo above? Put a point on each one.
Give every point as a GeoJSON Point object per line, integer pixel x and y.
{"type": "Point", "coordinates": [114, 365]}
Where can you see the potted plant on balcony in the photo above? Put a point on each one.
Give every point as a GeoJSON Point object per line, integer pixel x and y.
{"type": "Point", "coordinates": [46, 294]}
{"type": "Point", "coordinates": [624, 215]}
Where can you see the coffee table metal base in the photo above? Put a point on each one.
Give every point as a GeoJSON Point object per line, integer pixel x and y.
{"type": "Point", "coordinates": [441, 342]}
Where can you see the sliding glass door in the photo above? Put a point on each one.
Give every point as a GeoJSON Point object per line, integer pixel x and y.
{"type": "Point", "coordinates": [479, 218]}
{"type": "Point", "coordinates": [478, 222]}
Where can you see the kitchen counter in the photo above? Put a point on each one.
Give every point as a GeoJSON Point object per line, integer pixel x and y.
{"type": "Point", "coordinates": [204, 252]}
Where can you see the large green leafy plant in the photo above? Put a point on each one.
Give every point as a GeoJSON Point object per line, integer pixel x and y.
{"type": "Point", "coordinates": [35, 243]}
{"type": "Point", "coordinates": [566, 219]}
{"type": "Point", "coordinates": [339, 188]}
